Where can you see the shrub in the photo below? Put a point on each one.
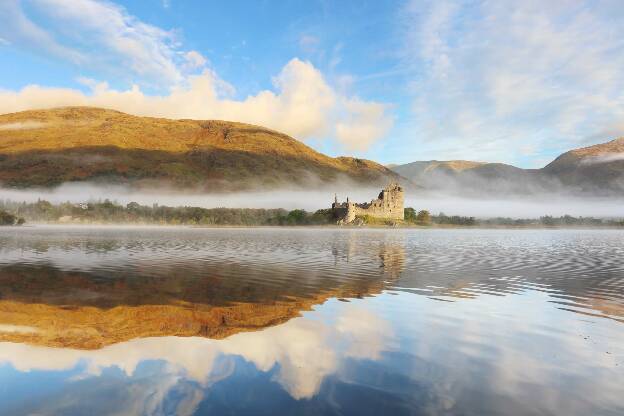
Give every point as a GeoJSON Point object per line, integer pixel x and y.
{"type": "Point", "coordinates": [423, 217]}
{"type": "Point", "coordinates": [7, 219]}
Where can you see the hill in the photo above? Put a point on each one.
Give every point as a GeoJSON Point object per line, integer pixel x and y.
{"type": "Point", "coordinates": [424, 169]}
{"type": "Point", "coordinates": [593, 168]}
{"type": "Point", "coordinates": [597, 170]}
{"type": "Point", "coordinates": [50, 147]}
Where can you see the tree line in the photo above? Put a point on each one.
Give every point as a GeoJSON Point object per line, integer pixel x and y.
{"type": "Point", "coordinates": [106, 211]}
{"type": "Point", "coordinates": [7, 218]}
{"type": "Point", "coordinates": [423, 217]}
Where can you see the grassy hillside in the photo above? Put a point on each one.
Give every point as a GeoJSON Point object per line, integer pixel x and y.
{"type": "Point", "coordinates": [49, 147]}
{"type": "Point", "coordinates": [591, 168]}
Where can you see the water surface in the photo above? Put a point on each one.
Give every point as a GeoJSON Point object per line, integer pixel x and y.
{"type": "Point", "coordinates": [311, 321]}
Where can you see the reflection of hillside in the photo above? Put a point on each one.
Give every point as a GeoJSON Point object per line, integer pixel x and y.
{"type": "Point", "coordinates": [93, 308]}
{"type": "Point", "coordinates": [78, 311]}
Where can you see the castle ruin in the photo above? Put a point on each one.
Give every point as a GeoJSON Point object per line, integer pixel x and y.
{"type": "Point", "coordinates": [388, 205]}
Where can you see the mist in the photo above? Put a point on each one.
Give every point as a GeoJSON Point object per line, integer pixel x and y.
{"type": "Point", "coordinates": [532, 206]}
{"type": "Point", "coordinates": [22, 125]}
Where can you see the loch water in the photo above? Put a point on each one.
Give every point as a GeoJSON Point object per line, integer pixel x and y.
{"type": "Point", "coordinates": [329, 321]}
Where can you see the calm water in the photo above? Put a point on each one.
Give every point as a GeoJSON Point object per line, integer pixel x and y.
{"type": "Point", "coordinates": [311, 321]}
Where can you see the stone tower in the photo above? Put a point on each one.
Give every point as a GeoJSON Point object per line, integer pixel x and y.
{"type": "Point", "coordinates": [389, 204]}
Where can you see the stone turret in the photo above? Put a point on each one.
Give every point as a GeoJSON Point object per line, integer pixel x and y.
{"type": "Point", "coordinates": [389, 204]}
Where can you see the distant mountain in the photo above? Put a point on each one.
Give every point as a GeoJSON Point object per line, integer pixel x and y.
{"type": "Point", "coordinates": [593, 168]}
{"type": "Point", "coordinates": [50, 147]}
{"type": "Point", "coordinates": [421, 170]}
{"type": "Point", "coordinates": [596, 169]}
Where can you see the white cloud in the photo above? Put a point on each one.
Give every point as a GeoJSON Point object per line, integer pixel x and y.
{"type": "Point", "coordinates": [492, 78]}
{"type": "Point", "coordinates": [303, 105]}
{"type": "Point", "coordinates": [99, 34]}
{"type": "Point", "coordinates": [17, 29]}
{"type": "Point", "coordinates": [363, 123]}
{"type": "Point", "coordinates": [359, 334]}
{"type": "Point", "coordinates": [194, 60]}
{"type": "Point", "coordinates": [146, 50]}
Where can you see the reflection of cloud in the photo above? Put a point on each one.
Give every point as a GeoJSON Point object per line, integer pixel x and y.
{"type": "Point", "coordinates": [305, 350]}
{"type": "Point", "coordinates": [290, 346]}
{"type": "Point", "coordinates": [367, 332]}
{"type": "Point", "coordinates": [17, 328]}
{"type": "Point", "coordinates": [521, 354]}
{"type": "Point", "coordinates": [156, 391]}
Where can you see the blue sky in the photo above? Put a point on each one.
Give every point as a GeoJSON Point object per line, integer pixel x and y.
{"type": "Point", "coordinates": [509, 81]}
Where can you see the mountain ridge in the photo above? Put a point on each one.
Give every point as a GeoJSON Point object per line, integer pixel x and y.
{"type": "Point", "coordinates": [68, 144]}
{"type": "Point", "coordinates": [596, 169]}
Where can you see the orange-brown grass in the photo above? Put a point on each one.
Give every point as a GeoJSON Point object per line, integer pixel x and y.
{"type": "Point", "coordinates": [48, 147]}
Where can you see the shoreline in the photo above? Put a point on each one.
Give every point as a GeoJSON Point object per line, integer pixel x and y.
{"type": "Point", "coordinates": [319, 227]}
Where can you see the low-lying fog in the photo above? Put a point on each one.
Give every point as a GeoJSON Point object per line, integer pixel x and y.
{"type": "Point", "coordinates": [310, 200]}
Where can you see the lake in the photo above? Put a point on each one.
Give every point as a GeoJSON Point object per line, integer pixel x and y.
{"type": "Point", "coordinates": [185, 321]}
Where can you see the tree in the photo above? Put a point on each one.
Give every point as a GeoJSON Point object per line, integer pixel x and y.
{"type": "Point", "coordinates": [296, 217]}
{"type": "Point", "coordinates": [409, 214]}
{"type": "Point", "coordinates": [6, 218]}
{"type": "Point", "coordinates": [423, 217]}
{"type": "Point", "coordinates": [133, 206]}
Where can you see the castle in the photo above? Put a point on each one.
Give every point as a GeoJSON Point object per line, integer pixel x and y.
{"type": "Point", "coordinates": [389, 204]}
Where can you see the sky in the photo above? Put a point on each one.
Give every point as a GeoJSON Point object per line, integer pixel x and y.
{"type": "Point", "coordinates": [517, 82]}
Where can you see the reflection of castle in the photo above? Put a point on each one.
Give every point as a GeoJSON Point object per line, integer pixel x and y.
{"type": "Point", "coordinates": [389, 204]}
{"type": "Point", "coordinates": [392, 258]}
{"type": "Point", "coordinates": [361, 252]}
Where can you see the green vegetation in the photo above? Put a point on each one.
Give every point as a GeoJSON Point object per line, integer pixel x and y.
{"type": "Point", "coordinates": [425, 218]}
{"type": "Point", "coordinates": [548, 221]}
{"type": "Point", "coordinates": [443, 219]}
{"type": "Point", "coordinates": [10, 219]}
{"type": "Point", "coordinates": [109, 212]}
{"type": "Point", "coordinates": [368, 220]}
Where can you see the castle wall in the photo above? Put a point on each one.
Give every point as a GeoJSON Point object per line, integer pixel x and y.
{"type": "Point", "coordinates": [388, 205]}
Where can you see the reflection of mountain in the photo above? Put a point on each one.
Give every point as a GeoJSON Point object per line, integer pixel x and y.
{"type": "Point", "coordinates": [69, 296]}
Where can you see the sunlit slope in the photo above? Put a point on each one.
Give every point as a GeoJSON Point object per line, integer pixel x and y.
{"type": "Point", "coordinates": [591, 168]}
{"type": "Point", "coordinates": [49, 147]}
